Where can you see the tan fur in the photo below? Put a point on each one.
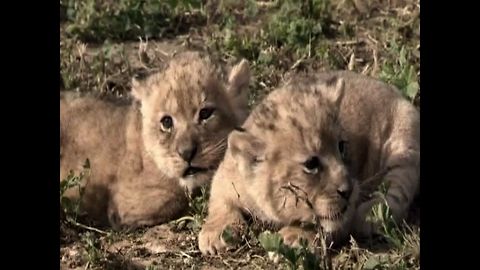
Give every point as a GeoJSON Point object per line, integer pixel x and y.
{"type": "Point", "coordinates": [137, 171]}
{"type": "Point", "coordinates": [263, 172]}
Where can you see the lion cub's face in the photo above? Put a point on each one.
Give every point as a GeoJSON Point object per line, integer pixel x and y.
{"type": "Point", "coordinates": [290, 157]}
{"type": "Point", "coordinates": [188, 111]}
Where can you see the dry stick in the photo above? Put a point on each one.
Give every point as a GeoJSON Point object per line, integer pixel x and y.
{"type": "Point", "coordinates": [365, 69]}
{"type": "Point", "coordinates": [297, 63]}
{"type": "Point", "coordinates": [184, 218]}
{"type": "Point", "coordinates": [292, 188]}
{"type": "Point", "coordinates": [142, 53]}
{"type": "Point", "coordinates": [87, 227]}
{"type": "Point", "coordinates": [241, 248]}
{"type": "Point", "coordinates": [238, 195]}
{"type": "Point", "coordinates": [372, 39]}
{"type": "Point", "coordinates": [375, 62]}
{"type": "Point", "coordinates": [351, 62]}
{"type": "Point", "coordinates": [349, 42]}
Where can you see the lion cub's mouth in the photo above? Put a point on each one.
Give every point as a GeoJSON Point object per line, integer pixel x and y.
{"type": "Point", "coordinates": [191, 170]}
{"type": "Point", "coordinates": [333, 216]}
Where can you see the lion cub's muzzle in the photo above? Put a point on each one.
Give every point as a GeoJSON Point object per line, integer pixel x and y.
{"type": "Point", "coordinates": [188, 151]}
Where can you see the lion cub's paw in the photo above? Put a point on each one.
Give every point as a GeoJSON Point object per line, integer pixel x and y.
{"type": "Point", "coordinates": [210, 241]}
{"type": "Point", "coordinates": [292, 235]}
{"type": "Point", "coordinates": [214, 240]}
{"type": "Point", "coordinates": [363, 225]}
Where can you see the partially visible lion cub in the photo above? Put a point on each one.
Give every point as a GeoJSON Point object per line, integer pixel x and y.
{"type": "Point", "coordinates": [303, 153]}
{"type": "Point", "coordinates": [144, 154]}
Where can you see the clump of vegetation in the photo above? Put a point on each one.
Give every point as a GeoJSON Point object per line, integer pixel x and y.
{"type": "Point", "coordinates": [96, 21]}
{"type": "Point", "coordinates": [298, 23]}
{"type": "Point", "coordinates": [71, 208]}
{"type": "Point", "coordinates": [197, 213]}
{"type": "Point", "coordinates": [400, 72]}
{"type": "Point", "coordinates": [296, 257]}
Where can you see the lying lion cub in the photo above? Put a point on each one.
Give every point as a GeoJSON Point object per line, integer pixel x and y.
{"type": "Point", "coordinates": [303, 153]}
{"type": "Point", "coordinates": [143, 154]}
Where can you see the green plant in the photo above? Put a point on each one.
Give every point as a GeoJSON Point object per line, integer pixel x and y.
{"type": "Point", "coordinates": [152, 267]}
{"type": "Point", "coordinates": [273, 242]}
{"type": "Point", "coordinates": [297, 23]}
{"type": "Point", "coordinates": [197, 211]}
{"type": "Point", "coordinates": [381, 214]}
{"type": "Point", "coordinates": [72, 207]}
{"type": "Point", "coordinates": [91, 245]}
{"type": "Point", "coordinates": [246, 47]}
{"type": "Point", "coordinates": [400, 72]}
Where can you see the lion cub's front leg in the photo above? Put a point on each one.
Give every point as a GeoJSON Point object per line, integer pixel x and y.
{"type": "Point", "coordinates": [221, 217]}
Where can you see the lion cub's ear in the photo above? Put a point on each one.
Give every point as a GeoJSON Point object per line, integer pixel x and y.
{"type": "Point", "coordinates": [246, 150]}
{"type": "Point", "coordinates": [237, 89]}
{"type": "Point", "coordinates": [334, 90]}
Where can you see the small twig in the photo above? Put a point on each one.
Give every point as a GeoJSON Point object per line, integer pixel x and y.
{"type": "Point", "coordinates": [142, 53]}
{"type": "Point", "coordinates": [349, 42]}
{"type": "Point", "coordinates": [184, 218]}
{"type": "Point", "coordinates": [297, 63]}
{"type": "Point", "coordinates": [248, 244]}
{"type": "Point", "coordinates": [372, 39]}
{"type": "Point", "coordinates": [162, 51]}
{"type": "Point", "coordinates": [325, 250]}
{"type": "Point", "coordinates": [185, 254]}
{"type": "Point", "coordinates": [258, 256]}
{"type": "Point", "coordinates": [292, 188]}
{"type": "Point", "coordinates": [225, 262]}
{"type": "Point", "coordinates": [365, 69]}
{"type": "Point", "coordinates": [375, 62]}
{"type": "Point", "coordinates": [238, 195]}
{"type": "Point", "coordinates": [240, 249]}
{"type": "Point", "coordinates": [87, 227]}
{"type": "Point", "coordinates": [351, 63]}
{"type": "Point", "coordinates": [262, 4]}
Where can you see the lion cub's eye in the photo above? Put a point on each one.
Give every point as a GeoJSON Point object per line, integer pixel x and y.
{"type": "Point", "coordinates": [312, 165]}
{"type": "Point", "coordinates": [167, 123]}
{"type": "Point", "coordinates": [341, 148]}
{"type": "Point", "coordinates": [205, 113]}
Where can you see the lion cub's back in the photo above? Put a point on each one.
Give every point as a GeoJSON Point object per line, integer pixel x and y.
{"type": "Point", "coordinates": [90, 128]}
{"type": "Point", "coordinates": [374, 115]}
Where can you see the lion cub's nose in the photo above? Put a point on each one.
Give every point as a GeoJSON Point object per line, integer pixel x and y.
{"type": "Point", "coordinates": [187, 151]}
{"type": "Point", "coordinates": [345, 190]}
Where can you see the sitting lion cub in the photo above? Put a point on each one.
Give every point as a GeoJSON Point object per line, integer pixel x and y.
{"type": "Point", "coordinates": [144, 154]}
{"type": "Point", "coordinates": [303, 153]}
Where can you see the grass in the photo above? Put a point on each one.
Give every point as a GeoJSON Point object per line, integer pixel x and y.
{"type": "Point", "coordinates": [104, 43]}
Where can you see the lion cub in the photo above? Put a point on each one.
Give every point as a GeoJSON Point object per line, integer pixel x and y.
{"type": "Point", "coordinates": [144, 154]}
{"type": "Point", "coordinates": [303, 153]}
